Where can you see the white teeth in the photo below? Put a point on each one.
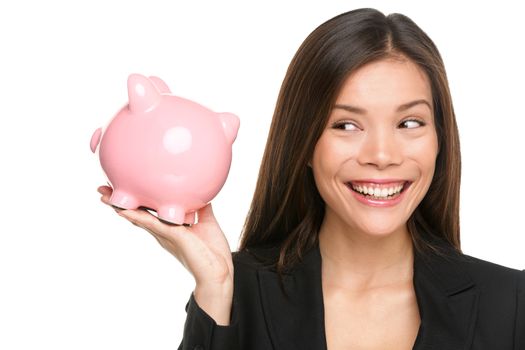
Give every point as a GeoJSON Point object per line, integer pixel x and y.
{"type": "Point", "coordinates": [381, 192]}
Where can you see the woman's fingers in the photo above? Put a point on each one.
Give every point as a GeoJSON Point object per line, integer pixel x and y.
{"type": "Point", "coordinates": [106, 192]}
{"type": "Point", "coordinates": [149, 222]}
{"type": "Point", "coordinates": [143, 219]}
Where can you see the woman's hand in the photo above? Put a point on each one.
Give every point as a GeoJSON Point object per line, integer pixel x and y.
{"type": "Point", "coordinates": [202, 249]}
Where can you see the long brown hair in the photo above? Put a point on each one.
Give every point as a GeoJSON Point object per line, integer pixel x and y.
{"type": "Point", "coordinates": [287, 210]}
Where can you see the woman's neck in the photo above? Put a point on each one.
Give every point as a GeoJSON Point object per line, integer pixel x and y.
{"type": "Point", "coordinates": [358, 260]}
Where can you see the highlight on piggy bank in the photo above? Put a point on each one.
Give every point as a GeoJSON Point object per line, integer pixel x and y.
{"type": "Point", "coordinates": [165, 152]}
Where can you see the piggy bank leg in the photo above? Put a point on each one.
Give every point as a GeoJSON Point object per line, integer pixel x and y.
{"type": "Point", "coordinates": [172, 213]}
{"type": "Point", "coordinates": [121, 199]}
{"type": "Point", "coordinates": [189, 218]}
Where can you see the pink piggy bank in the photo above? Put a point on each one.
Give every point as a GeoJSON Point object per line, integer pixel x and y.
{"type": "Point", "coordinates": [165, 152]}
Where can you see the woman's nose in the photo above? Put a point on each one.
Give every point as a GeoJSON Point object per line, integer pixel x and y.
{"type": "Point", "coordinates": [380, 149]}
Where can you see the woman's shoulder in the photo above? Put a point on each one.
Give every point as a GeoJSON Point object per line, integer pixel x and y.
{"type": "Point", "coordinates": [477, 263]}
{"type": "Point", "coordinates": [491, 273]}
{"type": "Point", "coordinates": [487, 274]}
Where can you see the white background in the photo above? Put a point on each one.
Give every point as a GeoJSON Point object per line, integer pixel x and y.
{"type": "Point", "coordinates": [73, 275]}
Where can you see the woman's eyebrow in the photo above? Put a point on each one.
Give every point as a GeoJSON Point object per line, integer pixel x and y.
{"type": "Point", "coordinates": [401, 108]}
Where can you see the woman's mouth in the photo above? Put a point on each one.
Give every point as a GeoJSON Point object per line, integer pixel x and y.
{"type": "Point", "coordinates": [381, 193]}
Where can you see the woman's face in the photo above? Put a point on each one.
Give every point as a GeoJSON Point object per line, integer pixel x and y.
{"type": "Point", "coordinates": [375, 160]}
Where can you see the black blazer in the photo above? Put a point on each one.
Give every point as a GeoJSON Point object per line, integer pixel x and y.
{"type": "Point", "coordinates": [464, 303]}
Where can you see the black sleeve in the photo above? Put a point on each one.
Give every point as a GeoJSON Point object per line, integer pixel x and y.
{"type": "Point", "coordinates": [519, 330]}
{"type": "Point", "coordinates": [201, 332]}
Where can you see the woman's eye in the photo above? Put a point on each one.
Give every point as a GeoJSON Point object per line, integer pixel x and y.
{"type": "Point", "coordinates": [345, 126]}
{"type": "Point", "coordinates": [411, 124]}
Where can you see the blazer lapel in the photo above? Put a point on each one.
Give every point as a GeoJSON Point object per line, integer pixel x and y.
{"type": "Point", "coordinates": [295, 320]}
{"type": "Point", "coordinates": [445, 293]}
{"type": "Point", "coordinates": [447, 301]}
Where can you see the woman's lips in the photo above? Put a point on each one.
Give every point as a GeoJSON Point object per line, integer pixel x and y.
{"type": "Point", "coordinates": [379, 193]}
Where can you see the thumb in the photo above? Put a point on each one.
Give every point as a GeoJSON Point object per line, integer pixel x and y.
{"type": "Point", "coordinates": [205, 214]}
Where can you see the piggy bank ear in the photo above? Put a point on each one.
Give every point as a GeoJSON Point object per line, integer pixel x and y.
{"type": "Point", "coordinates": [160, 84]}
{"type": "Point", "coordinates": [142, 93]}
{"type": "Point", "coordinates": [230, 124]}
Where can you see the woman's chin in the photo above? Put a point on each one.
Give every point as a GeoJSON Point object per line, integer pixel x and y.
{"type": "Point", "coordinates": [380, 231]}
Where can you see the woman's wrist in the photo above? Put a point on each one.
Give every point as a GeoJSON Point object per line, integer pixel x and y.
{"type": "Point", "coordinates": [216, 301]}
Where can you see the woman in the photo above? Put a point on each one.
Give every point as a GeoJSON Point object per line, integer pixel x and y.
{"type": "Point", "coordinates": [352, 239]}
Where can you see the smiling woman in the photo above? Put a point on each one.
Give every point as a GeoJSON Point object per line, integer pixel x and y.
{"type": "Point", "coordinates": [352, 240]}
